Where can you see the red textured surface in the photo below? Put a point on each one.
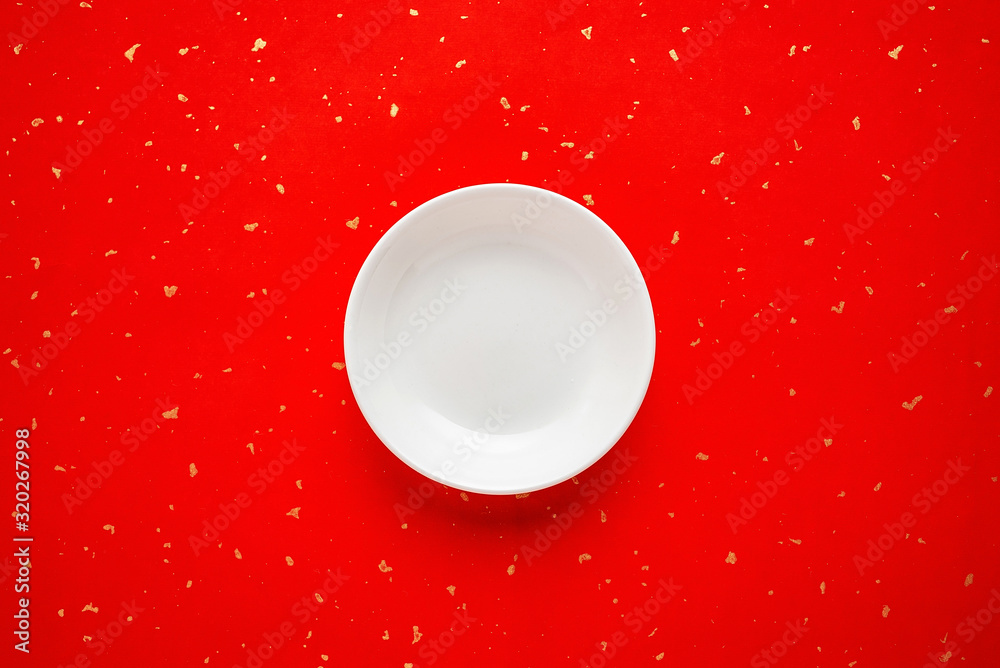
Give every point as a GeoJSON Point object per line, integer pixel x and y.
{"type": "Point", "coordinates": [667, 516]}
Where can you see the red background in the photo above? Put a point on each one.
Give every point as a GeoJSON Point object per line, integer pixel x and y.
{"type": "Point", "coordinates": [666, 516]}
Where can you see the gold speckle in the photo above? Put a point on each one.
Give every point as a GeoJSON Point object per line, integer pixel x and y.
{"type": "Point", "coordinates": [193, 470]}
{"type": "Point", "coordinates": [989, 391]}
{"type": "Point", "coordinates": [250, 227]}
{"type": "Point", "coordinates": [524, 155]}
{"type": "Point", "coordinates": [718, 159]}
{"type": "Point", "coordinates": [171, 414]}
{"type": "Point", "coordinates": [61, 612]}
{"type": "Point", "coordinates": [731, 559]}
{"type": "Point", "coordinates": [288, 560]}
{"type": "Point", "coordinates": [385, 636]}
{"type": "Point", "coordinates": [37, 262]}
{"type": "Point", "coordinates": [878, 486]}
{"type": "Point", "coordinates": [950, 309]}
{"type": "Point", "coordinates": [131, 52]}
{"type": "Point", "coordinates": [459, 64]}
{"type": "Point", "coordinates": [385, 568]}
{"type": "Point", "coordinates": [280, 188]}
{"type": "Point", "coordinates": [791, 52]}
{"type": "Point", "coordinates": [250, 446]}
{"type": "Point", "coordinates": [916, 399]}
{"type": "Point", "coordinates": [809, 241]}
{"type": "Point", "coordinates": [589, 199]}
{"type": "Point", "coordinates": [414, 12]}
{"type": "Point", "coordinates": [791, 391]}
{"type": "Point", "coordinates": [857, 122]}
{"type": "Point", "coordinates": [604, 517]}
{"type": "Point", "coordinates": [968, 579]}
{"type": "Point", "coordinates": [109, 527]}
{"type": "Point", "coordinates": [237, 553]}
{"type": "Point", "coordinates": [894, 54]}
{"type": "Point", "coordinates": [838, 309]}
{"type": "Point", "coordinates": [169, 290]}
{"type": "Point", "coordinates": [585, 557]}
{"type": "Point", "coordinates": [258, 44]}
{"type": "Point", "coordinates": [465, 497]}
{"type": "Point", "coordinates": [294, 512]}
{"type": "Point", "coordinates": [353, 224]}
{"type": "Point", "coordinates": [393, 110]}
{"type": "Point", "coordinates": [451, 589]}
{"type": "Point", "coordinates": [587, 31]}
{"type": "Point", "coordinates": [111, 252]}
{"type": "Point", "coordinates": [822, 587]}
{"type": "Point", "coordinates": [90, 607]}
{"type": "Point", "coordinates": [34, 294]}
{"type": "Point", "coordinates": [885, 611]}
{"type": "Point", "coordinates": [339, 366]}
{"type": "Point", "coordinates": [510, 569]}
{"type": "Point", "coordinates": [417, 635]}
{"type": "Point", "coordinates": [504, 103]}
{"type": "Point", "coordinates": [182, 97]}
{"type": "Point", "coordinates": [189, 583]}
{"type": "Point", "coordinates": [701, 456]}
{"type": "Point", "coordinates": [522, 496]}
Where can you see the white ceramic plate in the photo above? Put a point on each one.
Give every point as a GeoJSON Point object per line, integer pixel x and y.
{"type": "Point", "coordinates": [499, 338]}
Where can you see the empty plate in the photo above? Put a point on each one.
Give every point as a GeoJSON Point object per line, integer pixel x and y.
{"type": "Point", "coordinates": [499, 338]}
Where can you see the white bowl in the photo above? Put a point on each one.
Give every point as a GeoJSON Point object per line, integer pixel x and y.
{"type": "Point", "coordinates": [499, 338]}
